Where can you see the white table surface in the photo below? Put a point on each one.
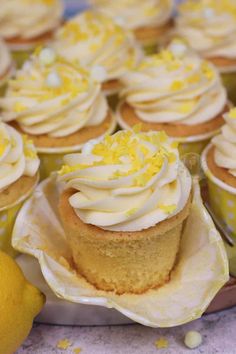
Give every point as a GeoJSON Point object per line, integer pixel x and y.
{"type": "Point", "coordinates": [218, 331]}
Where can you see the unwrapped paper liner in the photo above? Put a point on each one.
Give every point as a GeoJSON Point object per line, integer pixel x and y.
{"type": "Point", "coordinates": [201, 271]}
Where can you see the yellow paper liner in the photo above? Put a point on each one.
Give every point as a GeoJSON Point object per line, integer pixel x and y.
{"type": "Point", "coordinates": [7, 219]}
{"type": "Point", "coordinates": [202, 267]}
{"type": "Point", "coordinates": [51, 160]}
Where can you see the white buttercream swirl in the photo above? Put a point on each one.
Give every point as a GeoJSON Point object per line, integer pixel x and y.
{"type": "Point", "coordinates": [209, 26]}
{"type": "Point", "coordinates": [5, 60]}
{"type": "Point", "coordinates": [135, 14]}
{"type": "Point", "coordinates": [29, 19]}
{"type": "Point", "coordinates": [127, 182]}
{"type": "Point", "coordinates": [94, 39]}
{"type": "Point", "coordinates": [225, 144]}
{"type": "Point", "coordinates": [174, 87]}
{"type": "Point", "coordinates": [17, 156]}
{"type": "Point", "coordinates": [55, 98]}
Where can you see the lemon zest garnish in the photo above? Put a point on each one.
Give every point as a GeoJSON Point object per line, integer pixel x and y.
{"type": "Point", "coordinates": [162, 343]}
{"type": "Point", "coordinates": [77, 350]}
{"type": "Point", "coordinates": [232, 113]}
{"type": "Point", "coordinates": [19, 107]}
{"type": "Point", "coordinates": [168, 209]}
{"type": "Point", "coordinates": [63, 344]}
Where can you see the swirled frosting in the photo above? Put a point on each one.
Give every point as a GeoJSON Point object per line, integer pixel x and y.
{"type": "Point", "coordinates": [94, 39]}
{"type": "Point", "coordinates": [174, 86]}
{"type": "Point", "coordinates": [27, 19]}
{"type": "Point", "coordinates": [134, 14]}
{"type": "Point", "coordinates": [127, 182]}
{"type": "Point", "coordinates": [225, 144]}
{"type": "Point", "coordinates": [209, 26]}
{"type": "Point", "coordinates": [5, 60]}
{"type": "Point", "coordinates": [50, 96]}
{"type": "Point", "coordinates": [17, 156]}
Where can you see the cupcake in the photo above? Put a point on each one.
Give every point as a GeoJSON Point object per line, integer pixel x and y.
{"type": "Point", "coordinates": [19, 166]}
{"type": "Point", "coordinates": [6, 66]}
{"type": "Point", "coordinates": [94, 40]}
{"type": "Point", "coordinates": [219, 166]}
{"type": "Point", "coordinates": [124, 203]}
{"type": "Point", "coordinates": [25, 24]}
{"type": "Point", "coordinates": [58, 105]}
{"type": "Point", "coordinates": [175, 91]}
{"type": "Point", "coordinates": [150, 20]}
{"type": "Point", "coordinates": [209, 26]}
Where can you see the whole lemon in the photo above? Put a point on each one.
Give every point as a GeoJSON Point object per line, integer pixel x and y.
{"type": "Point", "coordinates": [20, 302]}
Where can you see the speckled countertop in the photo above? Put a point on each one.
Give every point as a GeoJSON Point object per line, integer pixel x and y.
{"type": "Point", "coordinates": [218, 331]}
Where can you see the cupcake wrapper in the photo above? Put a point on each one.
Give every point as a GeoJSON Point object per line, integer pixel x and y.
{"type": "Point", "coordinates": [7, 220]}
{"type": "Point", "coordinates": [229, 80]}
{"type": "Point", "coordinates": [194, 147]}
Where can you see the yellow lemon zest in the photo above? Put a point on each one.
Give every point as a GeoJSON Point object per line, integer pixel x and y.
{"type": "Point", "coordinates": [162, 343]}
{"type": "Point", "coordinates": [232, 113]}
{"type": "Point", "coordinates": [19, 107]}
{"type": "Point", "coordinates": [63, 344]}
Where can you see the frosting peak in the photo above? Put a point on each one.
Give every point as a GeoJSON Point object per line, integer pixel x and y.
{"type": "Point", "coordinates": [225, 143]}
{"type": "Point", "coordinates": [50, 96]}
{"type": "Point", "coordinates": [209, 26]}
{"type": "Point", "coordinates": [28, 19]}
{"type": "Point", "coordinates": [127, 182]}
{"type": "Point", "coordinates": [94, 39]}
{"type": "Point", "coordinates": [135, 14]}
{"type": "Point", "coordinates": [17, 156]}
{"type": "Point", "coordinates": [174, 86]}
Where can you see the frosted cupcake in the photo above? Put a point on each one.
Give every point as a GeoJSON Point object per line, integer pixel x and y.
{"type": "Point", "coordinates": [19, 175]}
{"type": "Point", "coordinates": [59, 106]}
{"type": "Point", "coordinates": [25, 24]}
{"type": "Point", "coordinates": [150, 20]}
{"type": "Point", "coordinates": [175, 91]}
{"type": "Point", "coordinates": [6, 66]}
{"type": "Point", "coordinates": [124, 226]}
{"type": "Point", "coordinates": [209, 26]}
{"type": "Point", "coordinates": [93, 40]}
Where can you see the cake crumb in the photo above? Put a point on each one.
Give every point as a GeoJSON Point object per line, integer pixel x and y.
{"type": "Point", "coordinates": [77, 350]}
{"type": "Point", "coordinates": [63, 344]}
{"type": "Point", "coordinates": [161, 343]}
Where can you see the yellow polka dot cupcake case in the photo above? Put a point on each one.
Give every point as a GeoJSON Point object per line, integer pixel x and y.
{"type": "Point", "coordinates": [58, 105]}
{"type": "Point", "coordinates": [175, 91]}
{"type": "Point", "coordinates": [16, 27]}
{"type": "Point", "coordinates": [19, 166]}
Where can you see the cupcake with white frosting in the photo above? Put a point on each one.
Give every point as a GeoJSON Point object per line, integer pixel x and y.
{"type": "Point", "coordinates": [6, 66]}
{"type": "Point", "coordinates": [19, 167]}
{"type": "Point", "coordinates": [149, 20]}
{"type": "Point", "coordinates": [58, 105]}
{"type": "Point", "coordinates": [175, 91]}
{"type": "Point", "coordinates": [25, 24]}
{"type": "Point", "coordinates": [92, 39]}
{"type": "Point", "coordinates": [209, 27]}
{"type": "Point", "coordinates": [124, 203]}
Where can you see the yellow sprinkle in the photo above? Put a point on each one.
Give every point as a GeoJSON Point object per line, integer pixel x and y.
{"type": "Point", "coordinates": [194, 79]}
{"type": "Point", "coordinates": [232, 113]}
{"type": "Point", "coordinates": [162, 343]}
{"type": "Point", "coordinates": [63, 344]}
{"type": "Point", "coordinates": [137, 128]}
{"type": "Point", "coordinates": [19, 107]}
{"type": "Point", "coordinates": [131, 211]}
{"type": "Point", "coordinates": [186, 107]}
{"type": "Point", "coordinates": [177, 85]}
{"type": "Point", "coordinates": [174, 144]}
{"type": "Point", "coordinates": [168, 209]}
{"type": "Point", "coordinates": [77, 350]}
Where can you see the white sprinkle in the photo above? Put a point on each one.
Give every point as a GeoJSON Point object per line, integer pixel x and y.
{"type": "Point", "coordinates": [47, 56]}
{"type": "Point", "coordinates": [193, 339]}
{"type": "Point", "coordinates": [98, 73]}
{"type": "Point", "coordinates": [53, 80]}
{"type": "Point", "coordinates": [208, 12]}
{"type": "Point", "coordinates": [178, 48]}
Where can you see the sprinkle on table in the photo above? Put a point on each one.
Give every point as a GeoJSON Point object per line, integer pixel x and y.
{"type": "Point", "coordinates": [64, 344]}
{"type": "Point", "coordinates": [161, 343]}
{"type": "Point", "coordinates": [77, 350]}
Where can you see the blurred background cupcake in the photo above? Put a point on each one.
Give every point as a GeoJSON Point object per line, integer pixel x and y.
{"type": "Point", "coordinates": [209, 26]}
{"type": "Point", "coordinates": [219, 165]}
{"type": "Point", "coordinates": [25, 24]}
{"type": "Point", "coordinates": [58, 105]}
{"type": "Point", "coordinates": [19, 166]}
{"type": "Point", "coordinates": [175, 91]}
{"type": "Point", "coordinates": [150, 19]}
{"type": "Point", "coordinates": [92, 39]}
{"type": "Point", "coordinates": [6, 66]}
